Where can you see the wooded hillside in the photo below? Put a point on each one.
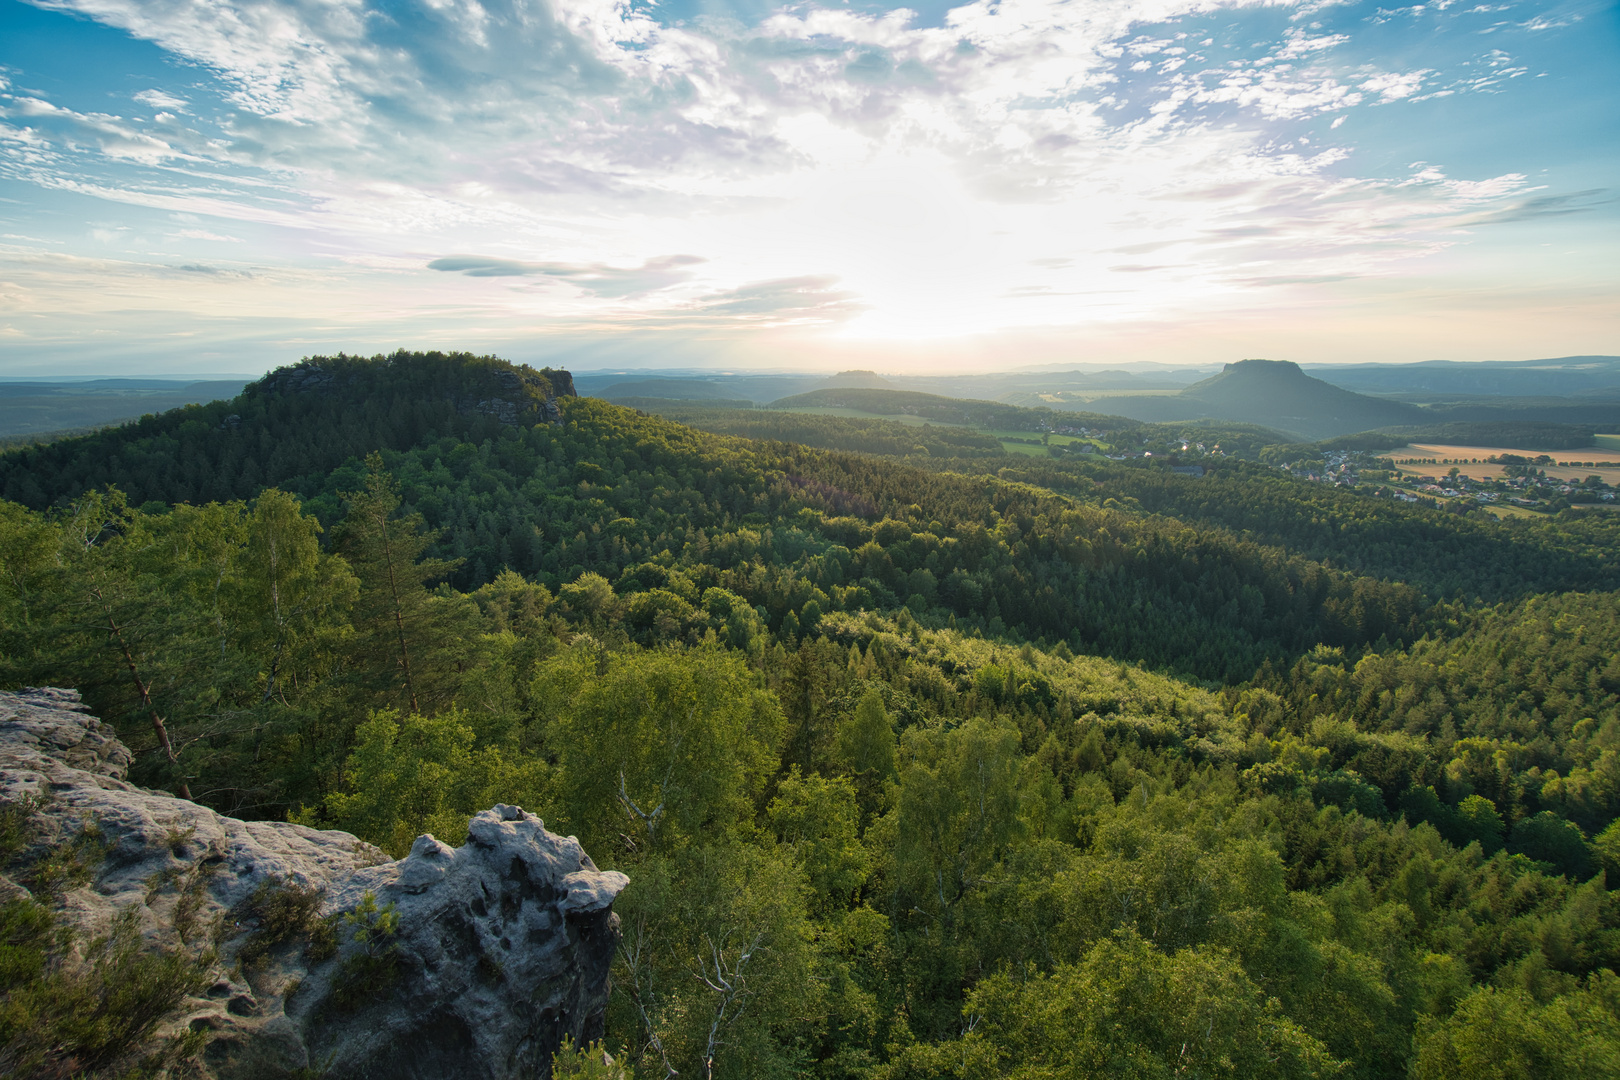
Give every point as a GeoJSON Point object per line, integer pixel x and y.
{"type": "Point", "coordinates": [931, 766]}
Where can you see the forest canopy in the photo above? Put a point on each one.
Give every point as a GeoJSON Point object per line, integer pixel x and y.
{"type": "Point", "coordinates": [972, 767]}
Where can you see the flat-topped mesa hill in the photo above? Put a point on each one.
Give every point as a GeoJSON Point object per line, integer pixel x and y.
{"type": "Point", "coordinates": [859, 377]}
{"type": "Point", "coordinates": [304, 419]}
{"type": "Point", "coordinates": [1277, 394]}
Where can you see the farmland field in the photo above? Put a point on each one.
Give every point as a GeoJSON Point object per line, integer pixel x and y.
{"type": "Point", "coordinates": [1440, 452]}
{"type": "Point", "coordinates": [1503, 512]}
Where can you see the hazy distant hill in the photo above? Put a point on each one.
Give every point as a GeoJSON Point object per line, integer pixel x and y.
{"type": "Point", "coordinates": [868, 379]}
{"type": "Point", "coordinates": [999, 416]}
{"type": "Point", "coordinates": [727, 387]}
{"type": "Point", "coordinates": [1564, 375]}
{"type": "Point", "coordinates": [931, 407]}
{"type": "Point", "coordinates": [1275, 393]}
{"type": "Point", "coordinates": [670, 389]}
{"type": "Point", "coordinates": [1539, 391]}
{"type": "Point", "coordinates": [1597, 415]}
{"type": "Point", "coordinates": [30, 408]}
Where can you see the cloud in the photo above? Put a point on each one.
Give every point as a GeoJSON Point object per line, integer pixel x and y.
{"type": "Point", "coordinates": [160, 99]}
{"type": "Point", "coordinates": [795, 300]}
{"type": "Point", "coordinates": [1036, 292]}
{"type": "Point", "coordinates": [861, 168]}
{"type": "Point", "coordinates": [111, 134]}
{"type": "Point", "coordinates": [213, 271]}
{"type": "Point", "coordinates": [204, 234]}
{"type": "Point", "coordinates": [599, 279]}
{"type": "Point", "coordinates": [1543, 206]}
{"type": "Point", "coordinates": [1393, 86]}
{"type": "Point", "coordinates": [1294, 279]}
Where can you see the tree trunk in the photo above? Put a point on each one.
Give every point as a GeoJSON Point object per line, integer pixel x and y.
{"type": "Point", "coordinates": [158, 726]}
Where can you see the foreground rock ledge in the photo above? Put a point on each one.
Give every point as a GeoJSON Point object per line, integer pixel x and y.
{"type": "Point", "coordinates": [503, 946]}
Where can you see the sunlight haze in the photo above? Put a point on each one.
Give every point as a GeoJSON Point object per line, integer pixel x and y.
{"type": "Point", "coordinates": [191, 185]}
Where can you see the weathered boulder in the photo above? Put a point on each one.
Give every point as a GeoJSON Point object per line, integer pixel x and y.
{"type": "Point", "coordinates": [502, 946]}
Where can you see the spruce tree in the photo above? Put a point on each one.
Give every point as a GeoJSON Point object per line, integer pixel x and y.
{"type": "Point", "coordinates": [409, 643]}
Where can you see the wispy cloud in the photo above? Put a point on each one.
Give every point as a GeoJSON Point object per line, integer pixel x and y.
{"type": "Point", "coordinates": [204, 234]}
{"type": "Point", "coordinates": [599, 279]}
{"type": "Point", "coordinates": [112, 135]}
{"type": "Point", "coordinates": [860, 171]}
{"type": "Point", "coordinates": [812, 299]}
{"type": "Point", "coordinates": [160, 99]}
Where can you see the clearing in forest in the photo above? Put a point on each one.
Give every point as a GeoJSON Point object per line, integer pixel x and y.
{"type": "Point", "coordinates": [1471, 460]}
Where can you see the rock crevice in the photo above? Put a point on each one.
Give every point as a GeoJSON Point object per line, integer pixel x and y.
{"type": "Point", "coordinates": [502, 947]}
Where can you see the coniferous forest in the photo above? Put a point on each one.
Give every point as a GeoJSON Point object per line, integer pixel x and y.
{"type": "Point", "coordinates": [941, 763]}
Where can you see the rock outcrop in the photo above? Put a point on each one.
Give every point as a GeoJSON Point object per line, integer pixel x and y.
{"type": "Point", "coordinates": [502, 946]}
{"type": "Point", "coordinates": [561, 380]}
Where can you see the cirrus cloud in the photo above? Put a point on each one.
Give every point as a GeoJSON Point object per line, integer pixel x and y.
{"type": "Point", "coordinates": [867, 172]}
{"type": "Point", "coordinates": [599, 279]}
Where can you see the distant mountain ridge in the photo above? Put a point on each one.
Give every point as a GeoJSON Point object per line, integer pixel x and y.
{"type": "Point", "coordinates": [1274, 393]}
{"type": "Point", "coordinates": [759, 389]}
{"type": "Point", "coordinates": [31, 407]}
{"type": "Point", "coordinates": [667, 389]}
{"type": "Point", "coordinates": [1556, 376]}
{"type": "Point", "coordinates": [1536, 390]}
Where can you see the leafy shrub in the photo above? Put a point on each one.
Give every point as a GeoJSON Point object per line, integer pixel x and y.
{"type": "Point", "coordinates": [60, 1019]}
{"type": "Point", "coordinates": [280, 912]}
{"type": "Point", "coordinates": [591, 1062]}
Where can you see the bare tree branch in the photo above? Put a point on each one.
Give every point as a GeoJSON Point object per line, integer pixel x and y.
{"type": "Point", "coordinates": [732, 986]}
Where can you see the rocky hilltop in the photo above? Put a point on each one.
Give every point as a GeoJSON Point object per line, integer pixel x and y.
{"type": "Point", "coordinates": [510, 393]}
{"type": "Point", "coordinates": [299, 421]}
{"type": "Point", "coordinates": [326, 955]}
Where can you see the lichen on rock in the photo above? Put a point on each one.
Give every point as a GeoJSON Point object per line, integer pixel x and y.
{"type": "Point", "coordinates": [452, 962]}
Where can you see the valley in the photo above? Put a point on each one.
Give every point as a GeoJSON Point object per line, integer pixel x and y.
{"type": "Point", "coordinates": [981, 756]}
{"type": "Point", "coordinates": [710, 540]}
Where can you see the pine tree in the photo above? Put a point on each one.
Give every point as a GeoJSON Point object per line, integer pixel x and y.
{"type": "Point", "coordinates": [410, 643]}
{"type": "Point", "coordinates": [866, 750]}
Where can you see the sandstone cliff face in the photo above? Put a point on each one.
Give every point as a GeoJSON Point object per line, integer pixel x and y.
{"type": "Point", "coordinates": [502, 946]}
{"type": "Point", "coordinates": [562, 382]}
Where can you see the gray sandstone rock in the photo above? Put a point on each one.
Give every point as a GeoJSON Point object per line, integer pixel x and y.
{"type": "Point", "coordinates": [503, 945]}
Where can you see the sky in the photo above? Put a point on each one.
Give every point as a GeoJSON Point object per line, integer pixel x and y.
{"type": "Point", "coordinates": [193, 186]}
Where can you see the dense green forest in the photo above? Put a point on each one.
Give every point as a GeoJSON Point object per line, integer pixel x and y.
{"type": "Point", "coordinates": [956, 766]}
{"type": "Point", "coordinates": [1438, 550]}
{"type": "Point", "coordinates": [1522, 435]}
